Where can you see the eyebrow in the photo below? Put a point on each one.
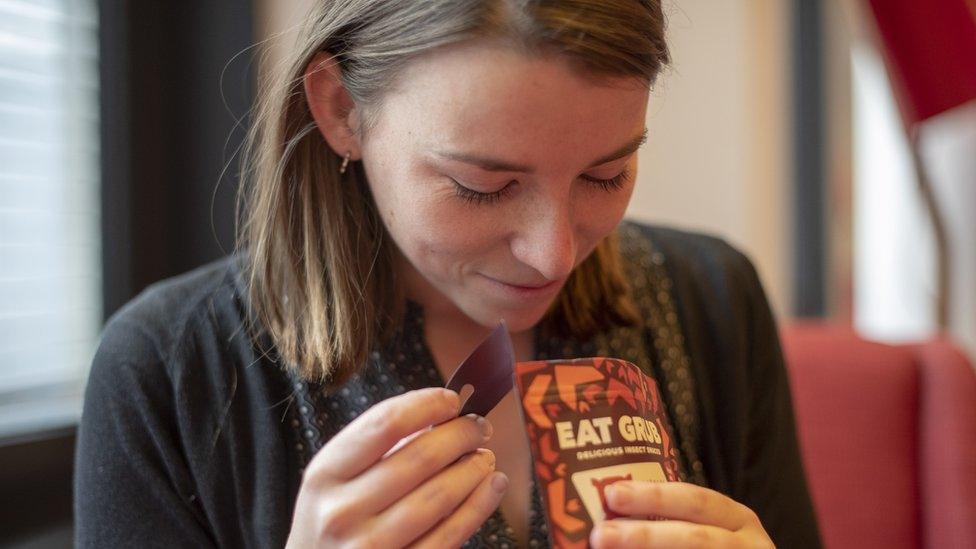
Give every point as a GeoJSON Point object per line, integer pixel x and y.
{"type": "Point", "coordinates": [497, 165]}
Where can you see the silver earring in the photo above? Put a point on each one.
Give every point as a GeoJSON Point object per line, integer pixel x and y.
{"type": "Point", "coordinates": [345, 163]}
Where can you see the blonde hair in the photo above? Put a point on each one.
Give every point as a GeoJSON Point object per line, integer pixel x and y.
{"type": "Point", "coordinates": [318, 263]}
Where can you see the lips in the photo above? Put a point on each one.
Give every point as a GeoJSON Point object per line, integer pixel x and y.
{"type": "Point", "coordinates": [532, 287]}
{"type": "Point", "coordinates": [523, 285]}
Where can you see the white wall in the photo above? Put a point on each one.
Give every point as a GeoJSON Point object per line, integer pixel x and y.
{"type": "Point", "coordinates": [717, 157]}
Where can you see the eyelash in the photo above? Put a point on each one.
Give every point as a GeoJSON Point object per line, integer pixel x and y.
{"type": "Point", "coordinates": [609, 185]}
{"type": "Point", "coordinates": [474, 197]}
{"type": "Point", "coordinates": [470, 196]}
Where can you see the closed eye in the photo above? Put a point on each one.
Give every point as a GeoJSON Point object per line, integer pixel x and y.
{"type": "Point", "coordinates": [471, 196]}
{"type": "Point", "coordinates": [612, 184]}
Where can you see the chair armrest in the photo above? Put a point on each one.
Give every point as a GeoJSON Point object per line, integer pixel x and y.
{"type": "Point", "coordinates": [947, 409]}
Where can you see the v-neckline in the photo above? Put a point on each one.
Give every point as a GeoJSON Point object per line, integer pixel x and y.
{"type": "Point", "coordinates": [406, 363]}
{"type": "Point", "coordinates": [496, 531]}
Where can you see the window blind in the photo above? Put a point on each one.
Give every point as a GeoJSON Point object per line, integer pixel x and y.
{"type": "Point", "coordinates": [50, 260]}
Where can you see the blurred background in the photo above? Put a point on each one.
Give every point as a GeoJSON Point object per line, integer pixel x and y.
{"type": "Point", "coordinates": [834, 141]}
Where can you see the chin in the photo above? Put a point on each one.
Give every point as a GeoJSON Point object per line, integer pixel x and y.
{"type": "Point", "coordinates": [516, 320]}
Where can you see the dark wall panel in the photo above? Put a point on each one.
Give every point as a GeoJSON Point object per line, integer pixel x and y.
{"type": "Point", "coordinates": [168, 135]}
{"type": "Point", "coordinates": [809, 157]}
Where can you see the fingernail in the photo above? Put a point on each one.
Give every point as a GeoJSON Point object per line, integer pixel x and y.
{"type": "Point", "coordinates": [484, 425]}
{"type": "Point", "coordinates": [619, 492]}
{"type": "Point", "coordinates": [499, 483]}
{"type": "Point", "coordinates": [489, 456]}
{"type": "Point", "coordinates": [607, 533]}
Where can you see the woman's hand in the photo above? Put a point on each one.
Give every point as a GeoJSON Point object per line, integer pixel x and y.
{"type": "Point", "coordinates": [694, 517]}
{"type": "Point", "coordinates": [408, 471]}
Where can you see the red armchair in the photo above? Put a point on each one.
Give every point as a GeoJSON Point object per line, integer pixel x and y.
{"type": "Point", "coordinates": [888, 436]}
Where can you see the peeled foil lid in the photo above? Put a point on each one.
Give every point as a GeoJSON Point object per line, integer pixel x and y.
{"type": "Point", "coordinates": [489, 369]}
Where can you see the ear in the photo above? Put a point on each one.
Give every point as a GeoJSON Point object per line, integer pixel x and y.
{"type": "Point", "coordinates": [332, 107]}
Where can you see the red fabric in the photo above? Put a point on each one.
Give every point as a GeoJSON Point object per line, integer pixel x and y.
{"type": "Point", "coordinates": [948, 423]}
{"type": "Point", "coordinates": [857, 415]}
{"type": "Point", "coordinates": [930, 50]}
{"type": "Point", "coordinates": [888, 435]}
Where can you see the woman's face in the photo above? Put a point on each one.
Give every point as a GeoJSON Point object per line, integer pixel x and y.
{"type": "Point", "coordinates": [496, 174]}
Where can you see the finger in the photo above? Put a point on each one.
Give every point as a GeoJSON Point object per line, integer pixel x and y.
{"type": "Point", "coordinates": [679, 501]}
{"type": "Point", "coordinates": [417, 461]}
{"type": "Point", "coordinates": [438, 497]}
{"type": "Point", "coordinates": [465, 521]}
{"type": "Point", "coordinates": [621, 533]}
{"type": "Point", "coordinates": [364, 441]}
{"type": "Point", "coordinates": [404, 441]}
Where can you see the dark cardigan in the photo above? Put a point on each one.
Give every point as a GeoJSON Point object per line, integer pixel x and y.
{"type": "Point", "coordinates": [191, 438]}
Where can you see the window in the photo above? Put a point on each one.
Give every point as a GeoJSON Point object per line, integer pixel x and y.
{"type": "Point", "coordinates": [50, 260]}
{"type": "Point", "coordinates": [894, 264]}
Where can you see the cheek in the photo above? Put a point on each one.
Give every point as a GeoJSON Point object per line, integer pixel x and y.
{"type": "Point", "coordinates": [401, 201]}
{"type": "Point", "coordinates": [455, 235]}
{"type": "Point", "coordinates": [600, 215]}
{"type": "Point", "coordinates": [434, 230]}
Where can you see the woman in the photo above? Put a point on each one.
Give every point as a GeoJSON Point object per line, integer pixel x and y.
{"type": "Point", "coordinates": [426, 169]}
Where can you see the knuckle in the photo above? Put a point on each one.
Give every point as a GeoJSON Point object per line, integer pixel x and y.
{"type": "Point", "coordinates": [698, 507]}
{"type": "Point", "coordinates": [441, 501]}
{"type": "Point", "coordinates": [382, 421]}
{"type": "Point", "coordinates": [335, 521]}
{"type": "Point", "coordinates": [389, 426]}
{"type": "Point", "coordinates": [654, 495]}
{"type": "Point", "coordinates": [370, 540]}
{"type": "Point", "coordinates": [700, 537]}
{"type": "Point", "coordinates": [640, 537]}
{"type": "Point", "coordinates": [420, 452]}
{"type": "Point", "coordinates": [315, 473]}
{"type": "Point", "coordinates": [751, 516]}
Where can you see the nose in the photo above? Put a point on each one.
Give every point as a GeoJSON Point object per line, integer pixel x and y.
{"type": "Point", "coordinates": [547, 242]}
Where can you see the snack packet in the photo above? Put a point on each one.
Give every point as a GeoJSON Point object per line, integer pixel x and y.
{"type": "Point", "coordinates": [591, 422]}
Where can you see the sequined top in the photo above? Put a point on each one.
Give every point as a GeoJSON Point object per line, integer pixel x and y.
{"type": "Point", "coordinates": [192, 438]}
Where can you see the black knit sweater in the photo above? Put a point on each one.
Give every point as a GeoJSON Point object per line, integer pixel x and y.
{"type": "Point", "coordinates": [191, 438]}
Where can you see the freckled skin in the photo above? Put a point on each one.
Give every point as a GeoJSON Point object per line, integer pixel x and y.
{"type": "Point", "coordinates": [489, 101]}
